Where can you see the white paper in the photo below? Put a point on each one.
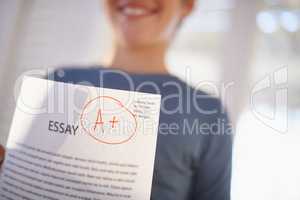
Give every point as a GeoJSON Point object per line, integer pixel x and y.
{"type": "Point", "coordinates": [79, 142]}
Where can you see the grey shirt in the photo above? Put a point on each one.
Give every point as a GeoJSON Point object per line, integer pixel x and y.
{"type": "Point", "coordinates": [194, 147]}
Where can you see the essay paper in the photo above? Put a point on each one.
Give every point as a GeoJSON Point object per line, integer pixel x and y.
{"type": "Point", "coordinates": [80, 142]}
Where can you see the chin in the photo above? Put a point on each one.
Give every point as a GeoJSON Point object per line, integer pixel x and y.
{"type": "Point", "coordinates": [138, 39]}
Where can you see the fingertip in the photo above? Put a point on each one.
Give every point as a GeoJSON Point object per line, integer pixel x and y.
{"type": "Point", "coordinates": [2, 152]}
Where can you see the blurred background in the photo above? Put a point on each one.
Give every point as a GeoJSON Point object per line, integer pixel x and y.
{"type": "Point", "coordinates": [247, 52]}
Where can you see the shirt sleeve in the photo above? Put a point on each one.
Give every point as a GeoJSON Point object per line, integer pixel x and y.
{"type": "Point", "coordinates": [212, 180]}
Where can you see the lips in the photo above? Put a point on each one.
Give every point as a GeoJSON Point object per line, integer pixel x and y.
{"type": "Point", "coordinates": [136, 9]}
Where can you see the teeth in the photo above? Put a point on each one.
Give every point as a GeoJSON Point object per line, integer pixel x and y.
{"type": "Point", "coordinates": [134, 11]}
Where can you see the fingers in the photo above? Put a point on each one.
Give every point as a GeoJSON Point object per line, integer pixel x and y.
{"type": "Point", "coordinates": [2, 153]}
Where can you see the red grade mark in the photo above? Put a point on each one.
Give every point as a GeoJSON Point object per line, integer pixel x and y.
{"type": "Point", "coordinates": [99, 117]}
{"type": "Point", "coordinates": [99, 120]}
{"type": "Point", "coordinates": [113, 122]}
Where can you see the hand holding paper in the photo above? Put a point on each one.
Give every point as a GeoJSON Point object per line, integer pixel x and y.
{"type": "Point", "coordinates": [79, 142]}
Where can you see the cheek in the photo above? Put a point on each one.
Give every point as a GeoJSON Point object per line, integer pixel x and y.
{"type": "Point", "coordinates": [110, 11]}
{"type": "Point", "coordinates": [170, 19]}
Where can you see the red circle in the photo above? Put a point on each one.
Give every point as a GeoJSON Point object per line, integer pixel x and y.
{"type": "Point", "coordinates": [122, 106]}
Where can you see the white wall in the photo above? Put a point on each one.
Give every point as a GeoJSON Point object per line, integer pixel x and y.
{"type": "Point", "coordinates": [41, 34]}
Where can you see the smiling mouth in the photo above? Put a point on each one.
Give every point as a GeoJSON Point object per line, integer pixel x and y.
{"type": "Point", "coordinates": [132, 10]}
